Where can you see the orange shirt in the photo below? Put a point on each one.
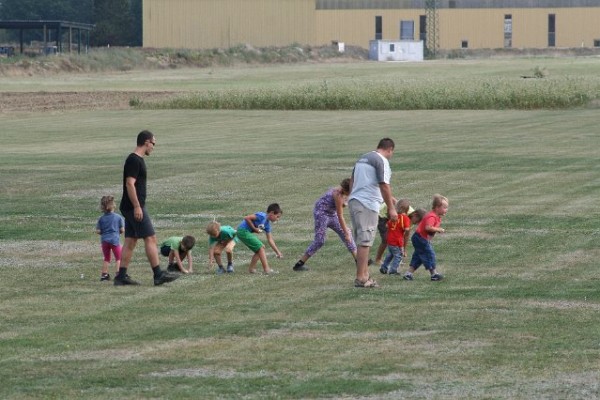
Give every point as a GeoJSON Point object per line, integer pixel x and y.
{"type": "Point", "coordinates": [396, 230]}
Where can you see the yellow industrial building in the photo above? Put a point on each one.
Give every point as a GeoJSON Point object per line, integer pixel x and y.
{"type": "Point", "coordinates": [444, 24]}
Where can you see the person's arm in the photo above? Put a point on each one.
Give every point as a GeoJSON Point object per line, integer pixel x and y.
{"type": "Point", "coordinates": [431, 228]}
{"type": "Point", "coordinates": [178, 261]}
{"type": "Point", "coordinates": [211, 255]}
{"type": "Point", "coordinates": [250, 221]}
{"type": "Point", "coordinates": [138, 214]}
{"type": "Point", "coordinates": [386, 193]}
{"type": "Point", "coordinates": [339, 208]}
{"type": "Point", "coordinates": [189, 257]}
{"type": "Point", "coordinates": [273, 245]}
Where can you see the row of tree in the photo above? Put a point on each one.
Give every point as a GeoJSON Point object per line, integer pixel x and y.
{"type": "Point", "coordinates": [118, 22]}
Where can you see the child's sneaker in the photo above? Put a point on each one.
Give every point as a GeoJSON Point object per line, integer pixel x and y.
{"type": "Point", "coordinates": [437, 277]}
{"type": "Point", "coordinates": [220, 270]}
{"type": "Point", "coordinates": [393, 272]}
{"type": "Point", "coordinates": [230, 269]}
{"type": "Point", "coordinates": [105, 277]}
{"type": "Point", "coordinates": [383, 270]}
{"type": "Point", "coordinates": [408, 276]}
{"type": "Point", "coordinates": [173, 267]}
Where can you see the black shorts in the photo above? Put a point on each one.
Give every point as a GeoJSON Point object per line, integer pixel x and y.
{"type": "Point", "coordinates": [382, 228]}
{"type": "Point", "coordinates": [138, 229]}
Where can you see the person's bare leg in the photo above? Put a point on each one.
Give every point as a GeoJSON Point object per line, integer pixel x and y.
{"type": "Point", "coordinates": [151, 251]}
{"type": "Point", "coordinates": [362, 263]}
{"type": "Point", "coordinates": [128, 248]}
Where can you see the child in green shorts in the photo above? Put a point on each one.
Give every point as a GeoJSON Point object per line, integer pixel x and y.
{"type": "Point", "coordinates": [221, 237]}
{"type": "Point", "coordinates": [257, 223]}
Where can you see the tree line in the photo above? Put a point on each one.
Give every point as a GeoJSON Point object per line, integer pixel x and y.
{"type": "Point", "coordinates": [118, 22]}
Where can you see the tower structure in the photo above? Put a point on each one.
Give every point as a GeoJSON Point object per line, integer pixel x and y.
{"type": "Point", "coordinates": [432, 41]}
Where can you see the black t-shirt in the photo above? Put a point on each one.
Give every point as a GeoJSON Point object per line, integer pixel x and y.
{"type": "Point", "coordinates": [135, 167]}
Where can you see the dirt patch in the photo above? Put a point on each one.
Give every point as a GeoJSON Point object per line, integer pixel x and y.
{"type": "Point", "coordinates": [62, 101]}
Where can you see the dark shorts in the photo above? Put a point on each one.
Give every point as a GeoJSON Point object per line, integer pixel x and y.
{"type": "Point", "coordinates": [382, 228]}
{"type": "Point", "coordinates": [137, 229]}
{"type": "Point", "coordinates": [423, 254]}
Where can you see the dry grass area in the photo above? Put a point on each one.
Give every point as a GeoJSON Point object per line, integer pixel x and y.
{"type": "Point", "coordinates": [62, 101]}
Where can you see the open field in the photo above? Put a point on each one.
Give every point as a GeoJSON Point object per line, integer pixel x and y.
{"type": "Point", "coordinates": [515, 318]}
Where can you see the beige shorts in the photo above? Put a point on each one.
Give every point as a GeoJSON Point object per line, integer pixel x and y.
{"type": "Point", "coordinates": [228, 247]}
{"type": "Point", "coordinates": [364, 223]}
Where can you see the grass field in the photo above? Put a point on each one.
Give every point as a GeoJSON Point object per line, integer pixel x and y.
{"type": "Point", "coordinates": [514, 318]}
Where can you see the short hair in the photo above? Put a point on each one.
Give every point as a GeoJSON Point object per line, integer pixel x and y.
{"type": "Point", "coordinates": [143, 136]}
{"type": "Point", "coordinates": [437, 201]}
{"type": "Point", "coordinates": [345, 184]}
{"type": "Point", "coordinates": [274, 208]}
{"type": "Point", "coordinates": [189, 242]}
{"type": "Point", "coordinates": [386, 143]}
{"type": "Point", "coordinates": [213, 228]}
{"type": "Point", "coordinates": [419, 213]}
{"type": "Point", "coordinates": [107, 203]}
{"type": "Point", "coordinates": [402, 203]}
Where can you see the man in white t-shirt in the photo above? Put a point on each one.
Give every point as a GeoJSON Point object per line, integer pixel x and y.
{"type": "Point", "coordinates": [371, 178]}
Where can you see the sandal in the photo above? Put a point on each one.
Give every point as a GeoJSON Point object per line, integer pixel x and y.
{"type": "Point", "coordinates": [369, 283]}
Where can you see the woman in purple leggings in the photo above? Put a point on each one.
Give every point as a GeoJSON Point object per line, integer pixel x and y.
{"type": "Point", "coordinates": [329, 213]}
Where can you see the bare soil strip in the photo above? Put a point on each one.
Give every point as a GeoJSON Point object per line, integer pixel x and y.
{"type": "Point", "coordinates": [62, 101]}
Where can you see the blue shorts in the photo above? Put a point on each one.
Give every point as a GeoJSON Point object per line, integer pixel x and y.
{"type": "Point", "coordinates": [137, 229]}
{"type": "Point", "coordinates": [423, 254]}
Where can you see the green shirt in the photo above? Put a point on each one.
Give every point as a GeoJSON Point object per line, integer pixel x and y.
{"type": "Point", "coordinates": [227, 233]}
{"type": "Point", "coordinates": [173, 242]}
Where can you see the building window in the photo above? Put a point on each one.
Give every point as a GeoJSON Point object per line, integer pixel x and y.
{"type": "Point", "coordinates": [392, 48]}
{"type": "Point", "coordinates": [551, 30]}
{"type": "Point", "coordinates": [378, 27]}
{"type": "Point", "coordinates": [452, 4]}
{"type": "Point", "coordinates": [407, 30]}
{"type": "Point", "coordinates": [596, 42]}
{"type": "Point", "coordinates": [464, 44]}
{"type": "Point", "coordinates": [423, 28]}
{"type": "Point", "coordinates": [508, 31]}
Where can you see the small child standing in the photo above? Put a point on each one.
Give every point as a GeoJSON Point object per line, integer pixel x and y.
{"type": "Point", "coordinates": [421, 239]}
{"type": "Point", "coordinates": [221, 237]}
{"type": "Point", "coordinates": [110, 227]}
{"type": "Point", "coordinates": [397, 237]}
{"type": "Point", "coordinates": [178, 248]}
{"type": "Point", "coordinates": [257, 223]}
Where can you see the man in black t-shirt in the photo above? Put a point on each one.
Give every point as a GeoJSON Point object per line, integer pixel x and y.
{"type": "Point", "coordinates": [137, 221]}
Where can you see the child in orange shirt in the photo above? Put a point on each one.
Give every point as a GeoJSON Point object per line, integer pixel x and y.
{"type": "Point", "coordinates": [397, 237]}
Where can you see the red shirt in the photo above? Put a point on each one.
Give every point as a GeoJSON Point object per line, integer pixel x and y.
{"type": "Point", "coordinates": [396, 230]}
{"type": "Point", "coordinates": [431, 219]}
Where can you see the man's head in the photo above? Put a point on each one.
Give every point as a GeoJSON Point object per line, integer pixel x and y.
{"type": "Point", "coordinates": [146, 141]}
{"type": "Point", "coordinates": [386, 147]}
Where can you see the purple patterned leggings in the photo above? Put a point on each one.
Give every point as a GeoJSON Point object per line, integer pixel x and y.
{"type": "Point", "coordinates": [322, 222]}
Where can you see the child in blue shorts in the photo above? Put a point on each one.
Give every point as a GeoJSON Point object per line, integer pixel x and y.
{"type": "Point", "coordinates": [257, 223]}
{"type": "Point", "coordinates": [421, 239]}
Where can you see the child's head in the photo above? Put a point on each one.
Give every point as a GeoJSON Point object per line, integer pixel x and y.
{"type": "Point", "coordinates": [274, 212]}
{"type": "Point", "coordinates": [417, 215]}
{"type": "Point", "coordinates": [439, 205]}
{"type": "Point", "coordinates": [187, 243]}
{"type": "Point", "coordinates": [107, 204]}
{"type": "Point", "coordinates": [345, 185]}
{"type": "Point", "coordinates": [402, 206]}
{"type": "Point", "coordinates": [213, 229]}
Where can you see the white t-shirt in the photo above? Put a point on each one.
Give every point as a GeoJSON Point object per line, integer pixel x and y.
{"type": "Point", "coordinates": [370, 170]}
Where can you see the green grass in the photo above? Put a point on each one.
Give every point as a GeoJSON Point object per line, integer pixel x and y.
{"type": "Point", "coordinates": [515, 317]}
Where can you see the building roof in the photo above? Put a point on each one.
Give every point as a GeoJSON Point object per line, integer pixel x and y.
{"type": "Point", "coordinates": [40, 24]}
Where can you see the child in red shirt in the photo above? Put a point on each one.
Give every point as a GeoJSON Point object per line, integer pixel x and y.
{"type": "Point", "coordinates": [421, 239]}
{"type": "Point", "coordinates": [397, 237]}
